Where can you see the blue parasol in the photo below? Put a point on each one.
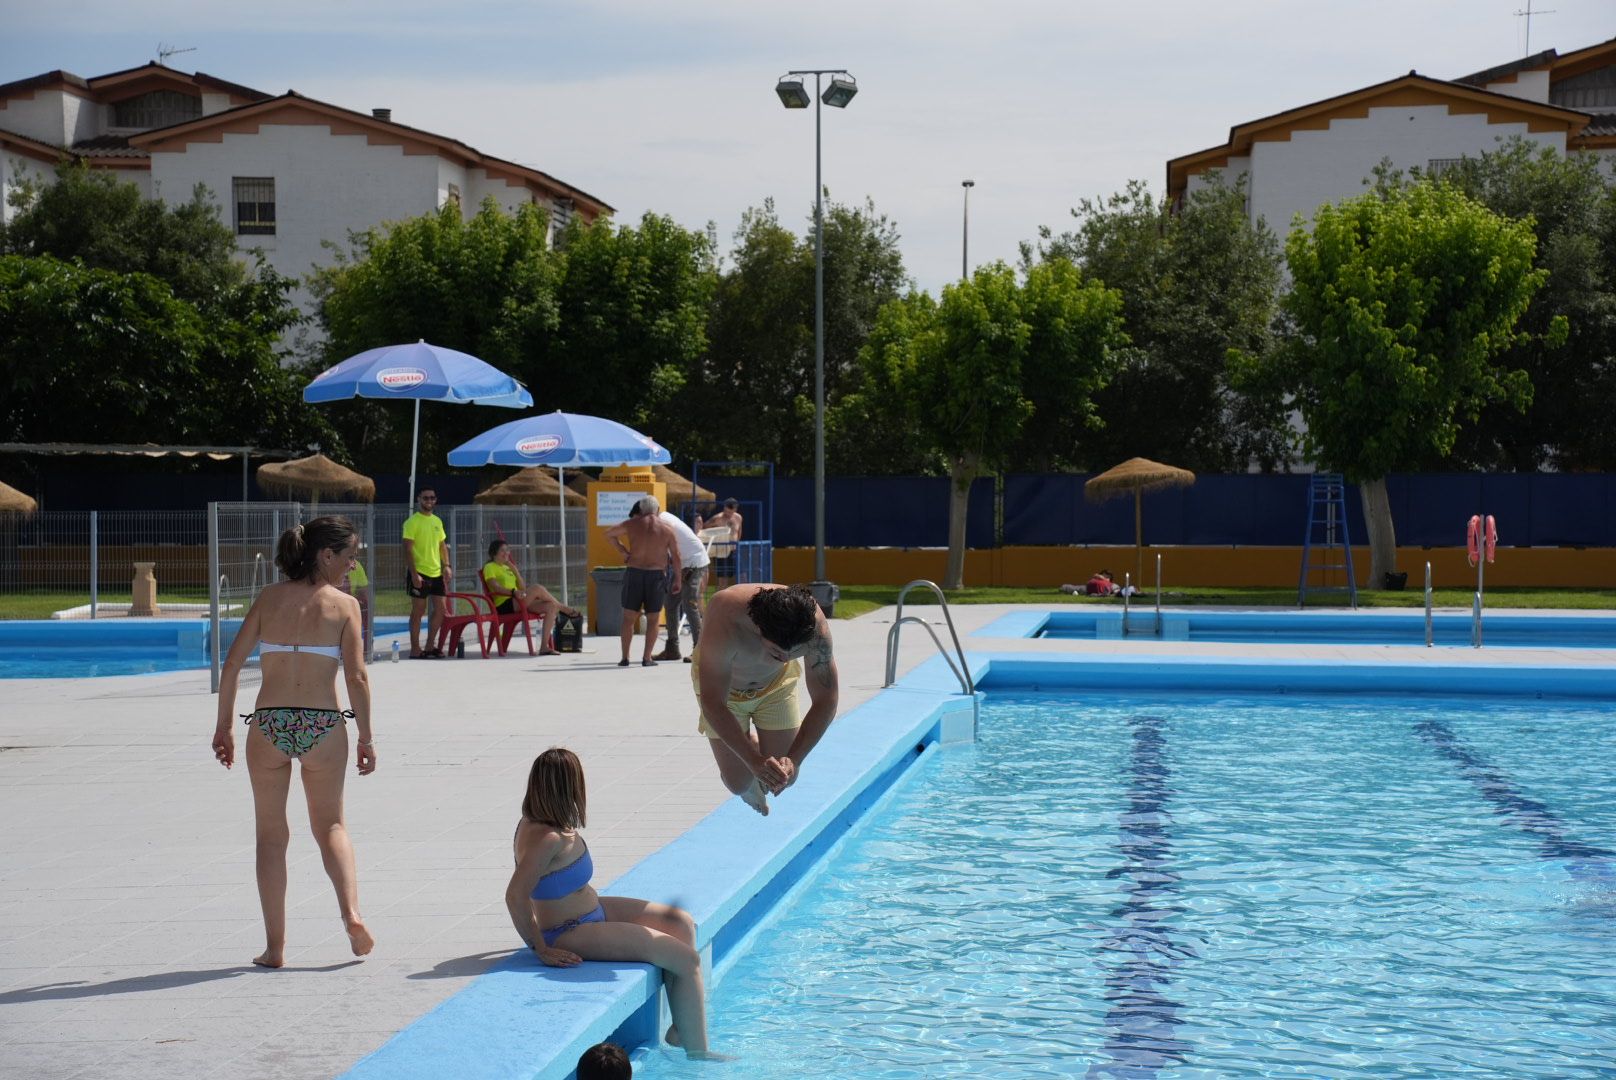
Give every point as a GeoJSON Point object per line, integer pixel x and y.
{"type": "Point", "coordinates": [560, 439]}
{"type": "Point", "coordinates": [422, 372]}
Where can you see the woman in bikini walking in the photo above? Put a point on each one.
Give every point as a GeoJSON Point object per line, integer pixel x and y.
{"type": "Point", "coordinates": [303, 627]}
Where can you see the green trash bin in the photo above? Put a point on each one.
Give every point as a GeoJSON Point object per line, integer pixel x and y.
{"type": "Point", "coordinates": [609, 599]}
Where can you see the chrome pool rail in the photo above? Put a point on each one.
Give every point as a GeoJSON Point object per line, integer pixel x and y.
{"type": "Point", "coordinates": [962, 672]}
{"type": "Point", "coordinates": [1428, 636]}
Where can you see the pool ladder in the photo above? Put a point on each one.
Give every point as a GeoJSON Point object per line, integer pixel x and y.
{"type": "Point", "coordinates": [962, 672]}
{"type": "Point", "coordinates": [1127, 583]}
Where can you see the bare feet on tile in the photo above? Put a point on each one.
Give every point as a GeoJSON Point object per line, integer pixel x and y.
{"type": "Point", "coordinates": [270, 958]}
{"type": "Point", "coordinates": [360, 938]}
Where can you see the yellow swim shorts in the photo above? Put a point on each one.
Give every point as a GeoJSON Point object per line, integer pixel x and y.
{"type": "Point", "coordinates": [772, 708]}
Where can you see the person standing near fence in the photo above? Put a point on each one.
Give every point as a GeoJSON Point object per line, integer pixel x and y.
{"type": "Point", "coordinates": [428, 570]}
{"type": "Point", "coordinates": [691, 595]}
{"type": "Point", "coordinates": [304, 628]}
{"type": "Point", "coordinates": [727, 518]}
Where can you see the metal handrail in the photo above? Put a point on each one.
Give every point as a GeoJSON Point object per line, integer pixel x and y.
{"type": "Point", "coordinates": [962, 672]}
{"type": "Point", "coordinates": [258, 561]}
{"type": "Point", "coordinates": [1428, 635]}
{"type": "Point", "coordinates": [1158, 592]}
{"type": "Point", "coordinates": [1475, 617]}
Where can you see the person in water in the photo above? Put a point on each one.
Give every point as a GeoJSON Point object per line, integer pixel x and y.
{"type": "Point", "coordinates": [304, 628]}
{"type": "Point", "coordinates": [560, 917]}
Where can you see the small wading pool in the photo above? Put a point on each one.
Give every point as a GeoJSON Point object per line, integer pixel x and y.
{"type": "Point", "coordinates": [1311, 627]}
{"type": "Point", "coordinates": [51, 649]}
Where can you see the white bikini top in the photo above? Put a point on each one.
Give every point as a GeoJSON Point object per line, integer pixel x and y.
{"type": "Point", "coordinates": [333, 651]}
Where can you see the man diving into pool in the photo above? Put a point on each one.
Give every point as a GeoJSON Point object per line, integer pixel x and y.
{"type": "Point", "coordinates": [745, 673]}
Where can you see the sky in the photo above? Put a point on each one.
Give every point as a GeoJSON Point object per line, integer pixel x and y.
{"type": "Point", "coordinates": [670, 107]}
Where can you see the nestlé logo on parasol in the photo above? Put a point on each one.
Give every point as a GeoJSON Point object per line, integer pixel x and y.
{"type": "Point", "coordinates": [400, 378]}
{"type": "Point", "coordinates": [537, 445]}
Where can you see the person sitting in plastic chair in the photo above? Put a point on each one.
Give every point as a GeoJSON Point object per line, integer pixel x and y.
{"type": "Point", "coordinates": [503, 583]}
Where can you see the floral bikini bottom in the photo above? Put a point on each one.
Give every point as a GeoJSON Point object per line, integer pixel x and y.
{"type": "Point", "coordinates": [294, 732]}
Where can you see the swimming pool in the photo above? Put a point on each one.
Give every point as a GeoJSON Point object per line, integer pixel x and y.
{"type": "Point", "coordinates": [53, 649]}
{"type": "Point", "coordinates": [1310, 627]}
{"type": "Point", "coordinates": [1189, 886]}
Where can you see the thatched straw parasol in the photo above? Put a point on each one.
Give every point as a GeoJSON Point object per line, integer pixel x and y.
{"type": "Point", "coordinates": [529, 487]}
{"type": "Point", "coordinates": [1140, 476]}
{"type": "Point", "coordinates": [316, 476]}
{"type": "Point", "coordinates": [13, 501]}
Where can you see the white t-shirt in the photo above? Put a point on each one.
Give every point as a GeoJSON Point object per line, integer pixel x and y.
{"type": "Point", "coordinates": [692, 552]}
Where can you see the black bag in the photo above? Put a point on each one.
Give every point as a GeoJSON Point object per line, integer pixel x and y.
{"type": "Point", "coordinates": [569, 632]}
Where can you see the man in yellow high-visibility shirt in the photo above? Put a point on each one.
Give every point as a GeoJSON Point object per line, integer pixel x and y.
{"type": "Point", "coordinates": [426, 557]}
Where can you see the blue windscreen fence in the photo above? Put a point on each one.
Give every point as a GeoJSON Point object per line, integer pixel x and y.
{"type": "Point", "coordinates": [1428, 509]}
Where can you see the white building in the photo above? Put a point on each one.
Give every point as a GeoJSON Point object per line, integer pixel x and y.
{"type": "Point", "coordinates": [288, 172]}
{"type": "Point", "coordinates": [1297, 160]}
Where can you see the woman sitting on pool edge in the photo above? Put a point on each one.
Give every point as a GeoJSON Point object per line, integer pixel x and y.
{"type": "Point", "coordinates": [560, 917]}
{"type": "Point", "coordinates": [504, 583]}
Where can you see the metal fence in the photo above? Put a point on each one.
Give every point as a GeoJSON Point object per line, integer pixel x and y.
{"type": "Point", "coordinates": [242, 539]}
{"type": "Point", "coordinates": [80, 564]}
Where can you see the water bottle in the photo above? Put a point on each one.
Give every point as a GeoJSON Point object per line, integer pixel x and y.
{"type": "Point", "coordinates": [395, 651]}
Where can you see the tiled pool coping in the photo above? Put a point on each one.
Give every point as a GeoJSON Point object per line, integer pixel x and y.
{"type": "Point", "coordinates": [522, 1019]}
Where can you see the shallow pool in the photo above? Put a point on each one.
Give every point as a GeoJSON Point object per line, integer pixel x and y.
{"type": "Point", "coordinates": [1192, 887]}
{"type": "Point", "coordinates": [59, 649]}
{"type": "Point", "coordinates": [1311, 627]}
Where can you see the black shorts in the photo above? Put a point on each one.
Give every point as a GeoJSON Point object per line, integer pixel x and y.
{"type": "Point", "coordinates": [430, 586]}
{"type": "Point", "coordinates": [644, 590]}
{"type": "Point", "coordinates": [505, 606]}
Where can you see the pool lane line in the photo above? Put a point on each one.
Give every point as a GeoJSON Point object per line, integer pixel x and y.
{"type": "Point", "coordinates": [1584, 862]}
{"type": "Point", "coordinates": [1141, 950]}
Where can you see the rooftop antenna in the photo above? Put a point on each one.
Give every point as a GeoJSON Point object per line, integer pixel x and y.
{"type": "Point", "coordinates": [164, 51]}
{"type": "Point", "coordinates": [1527, 15]}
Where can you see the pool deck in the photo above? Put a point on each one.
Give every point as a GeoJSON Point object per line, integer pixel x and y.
{"type": "Point", "coordinates": [128, 913]}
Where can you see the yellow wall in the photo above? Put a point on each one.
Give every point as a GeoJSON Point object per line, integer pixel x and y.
{"type": "Point", "coordinates": [600, 552]}
{"type": "Point", "coordinates": [1588, 568]}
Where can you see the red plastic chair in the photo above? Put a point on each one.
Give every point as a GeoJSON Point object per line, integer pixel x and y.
{"type": "Point", "coordinates": [508, 621]}
{"type": "Point", "coordinates": [453, 626]}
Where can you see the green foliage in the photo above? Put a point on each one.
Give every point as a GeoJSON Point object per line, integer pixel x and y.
{"type": "Point", "coordinates": [1569, 201]}
{"type": "Point", "coordinates": [90, 355]}
{"type": "Point", "coordinates": [605, 323]}
{"type": "Point", "coordinates": [754, 391]}
{"type": "Point", "coordinates": [963, 375]}
{"type": "Point", "coordinates": [124, 319]}
{"type": "Point", "coordinates": [1400, 305]}
{"type": "Point", "coordinates": [1195, 283]}
{"type": "Point", "coordinates": [105, 223]}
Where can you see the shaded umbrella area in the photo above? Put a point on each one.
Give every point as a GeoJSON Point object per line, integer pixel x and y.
{"type": "Point", "coordinates": [1141, 476]}
{"type": "Point", "coordinates": [316, 476]}
{"type": "Point", "coordinates": [13, 501]}
{"type": "Point", "coordinates": [529, 487]}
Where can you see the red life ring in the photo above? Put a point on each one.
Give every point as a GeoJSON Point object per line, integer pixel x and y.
{"type": "Point", "coordinates": [1491, 538]}
{"type": "Point", "coordinates": [1473, 539]}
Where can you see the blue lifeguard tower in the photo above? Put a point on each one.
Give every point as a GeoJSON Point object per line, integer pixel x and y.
{"type": "Point", "coordinates": [753, 555]}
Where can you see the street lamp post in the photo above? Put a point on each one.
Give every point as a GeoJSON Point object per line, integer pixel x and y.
{"type": "Point", "coordinates": [793, 95]}
{"type": "Point", "coordinates": [965, 242]}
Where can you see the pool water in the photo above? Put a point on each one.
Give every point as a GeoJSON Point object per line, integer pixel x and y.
{"type": "Point", "coordinates": [1195, 888]}
{"type": "Point", "coordinates": [1328, 627]}
{"type": "Point", "coordinates": [61, 649]}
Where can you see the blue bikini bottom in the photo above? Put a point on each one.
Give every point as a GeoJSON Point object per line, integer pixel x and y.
{"type": "Point", "coordinates": [550, 935]}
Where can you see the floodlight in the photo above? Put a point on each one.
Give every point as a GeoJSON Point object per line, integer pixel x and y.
{"type": "Point", "coordinates": [840, 91]}
{"type": "Point", "coordinates": [792, 94]}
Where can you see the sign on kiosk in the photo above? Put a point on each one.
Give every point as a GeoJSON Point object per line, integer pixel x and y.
{"type": "Point", "coordinates": [610, 500]}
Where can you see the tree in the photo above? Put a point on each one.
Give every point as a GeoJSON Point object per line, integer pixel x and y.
{"type": "Point", "coordinates": [955, 374]}
{"type": "Point", "coordinates": [111, 357]}
{"type": "Point", "coordinates": [758, 373]}
{"type": "Point", "coordinates": [130, 320]}
{"type": "Point", "coordinates": [1195, 282]}
{"type": "Point", "coordinates": [1400, 304]}
{"type": "Point", "coordinates": [1570, 203]}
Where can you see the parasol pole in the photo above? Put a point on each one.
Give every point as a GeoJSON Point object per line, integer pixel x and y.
{"type": "Point", "coordinates": [561, 505]}
{"type": "Point", "coordinates": [1138, 539]}
{"type": "Point", "coordinates": [415, 446]}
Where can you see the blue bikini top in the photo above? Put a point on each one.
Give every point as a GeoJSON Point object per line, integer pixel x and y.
{"type": "Point", "coordinates": [567, 880]}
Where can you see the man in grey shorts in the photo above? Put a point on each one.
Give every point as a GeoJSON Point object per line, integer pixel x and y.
{"type": "Point", "coordinates": [649, 547]}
